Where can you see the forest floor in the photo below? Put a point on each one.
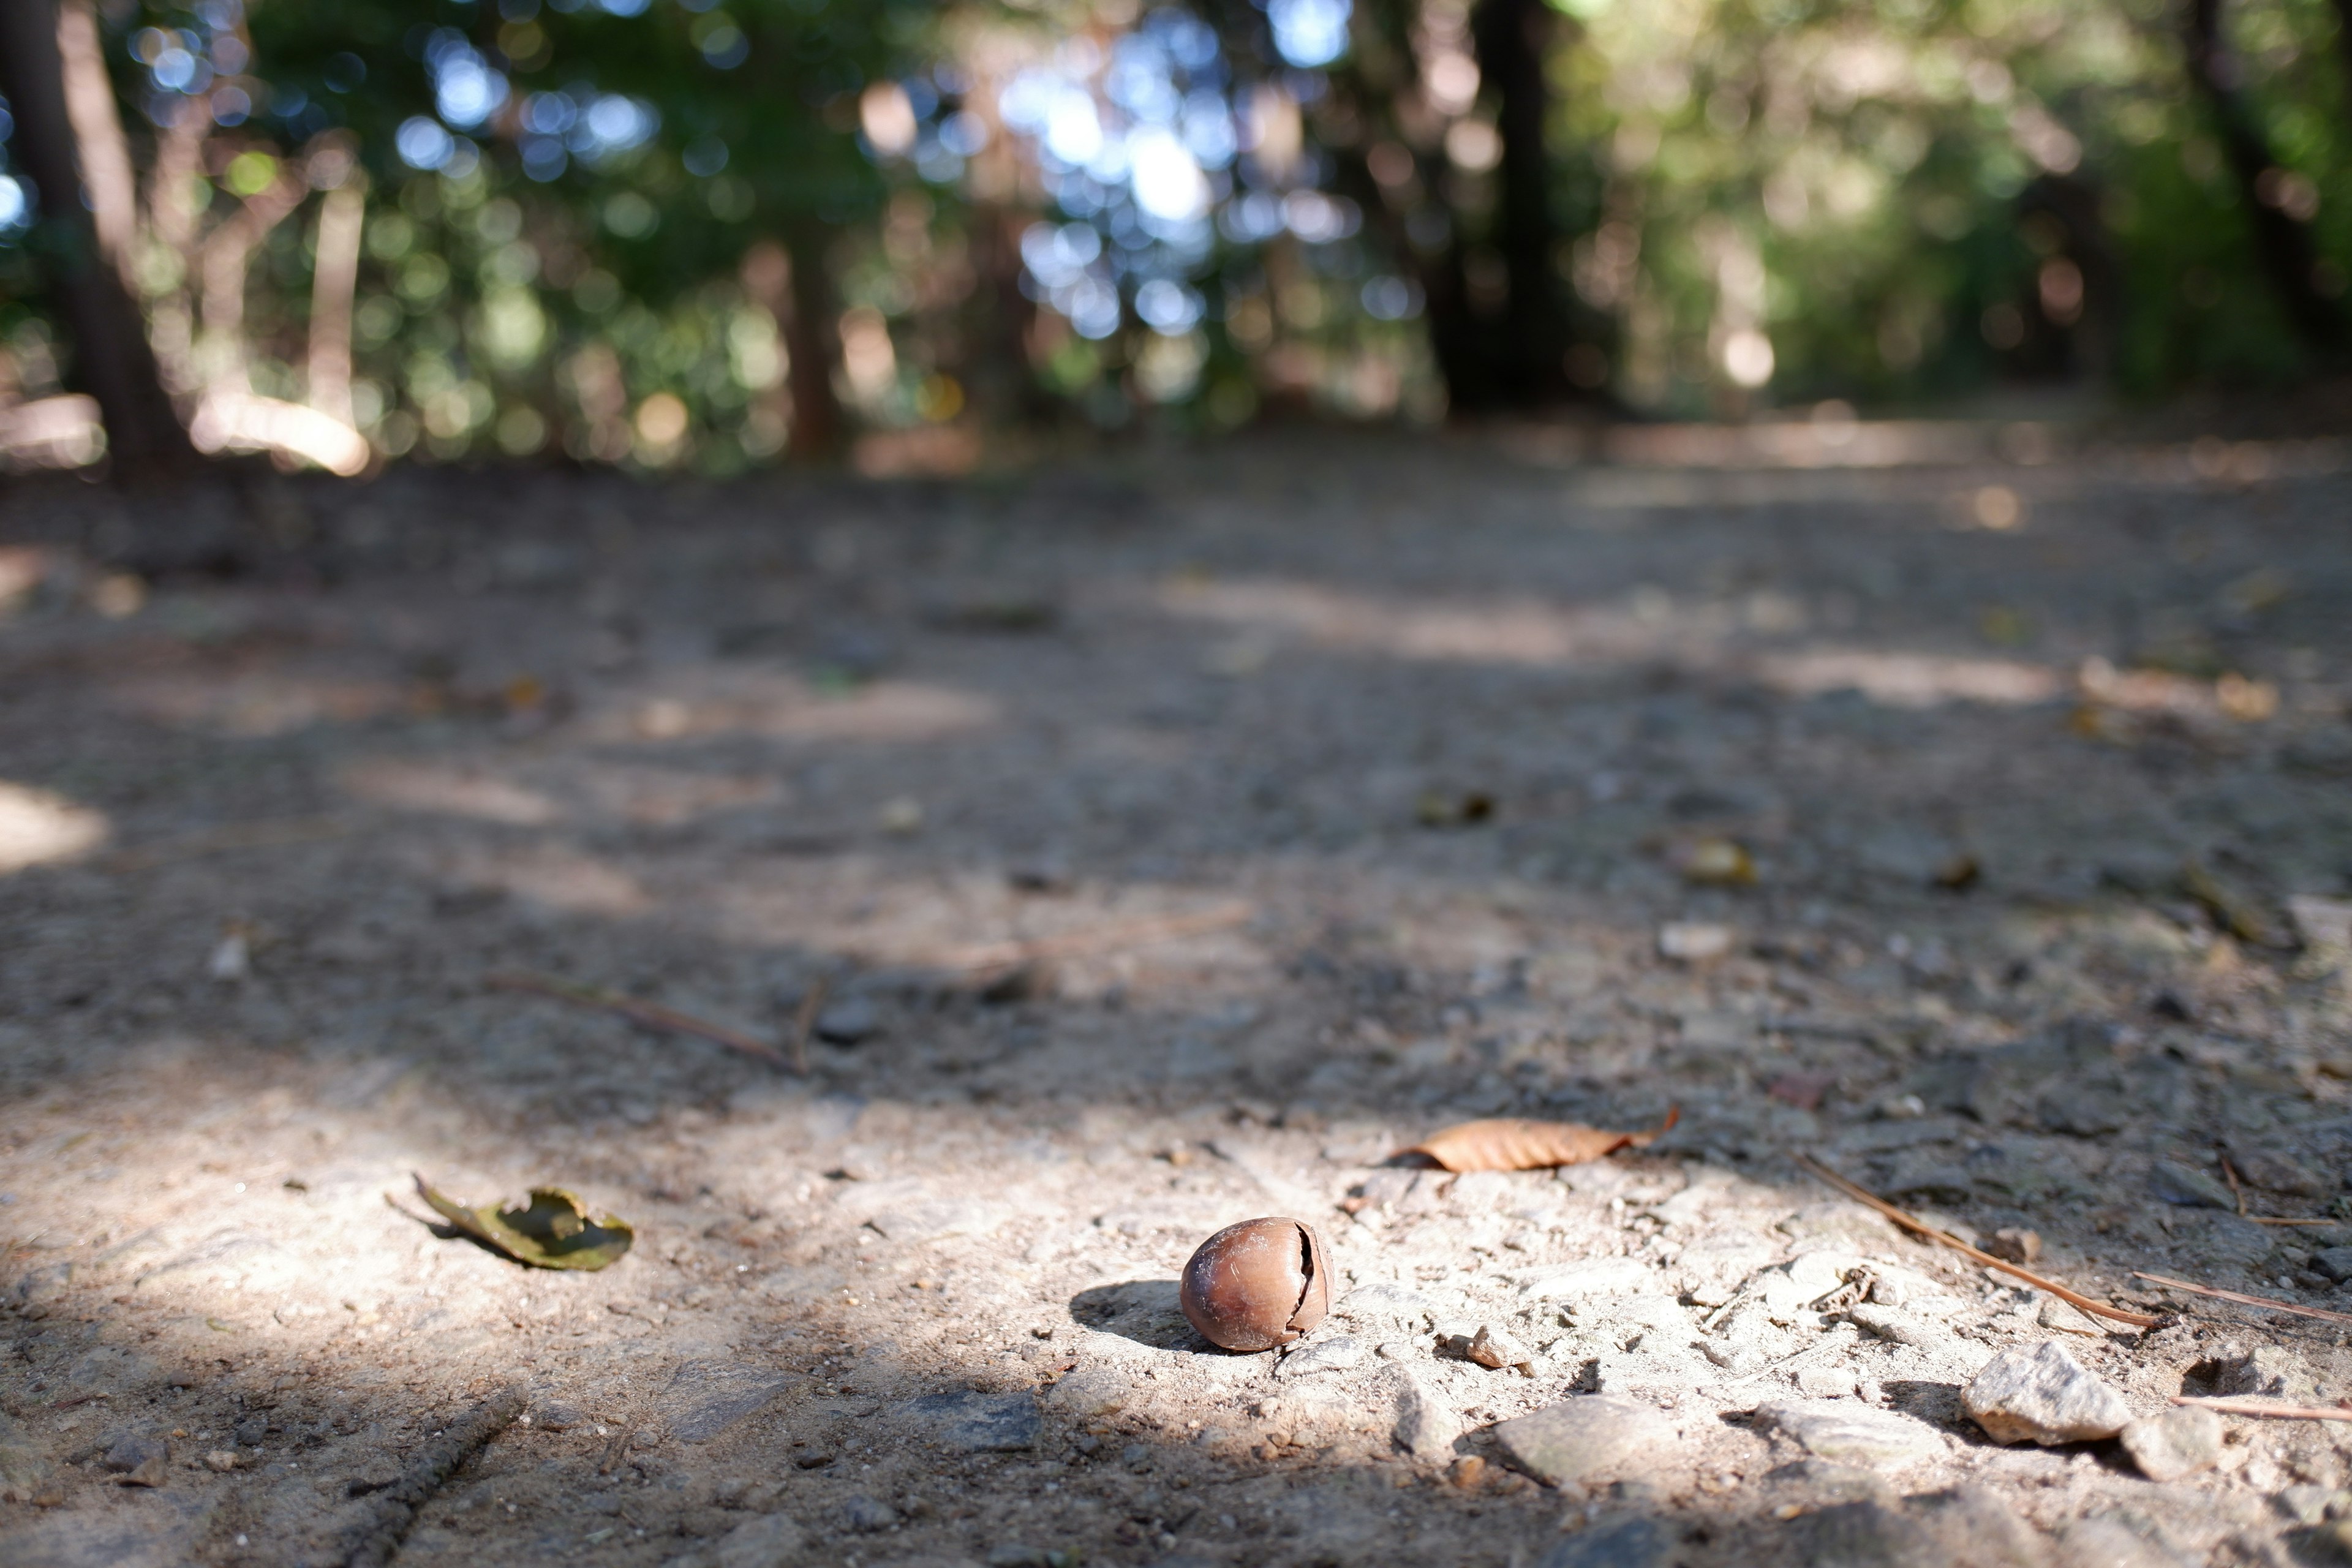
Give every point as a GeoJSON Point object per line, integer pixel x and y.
{"type": "Point", "coordinates": [1176, 834]}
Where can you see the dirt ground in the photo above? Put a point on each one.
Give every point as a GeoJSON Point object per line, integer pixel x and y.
{"type": "Point", "coordinates": [1176, 834]}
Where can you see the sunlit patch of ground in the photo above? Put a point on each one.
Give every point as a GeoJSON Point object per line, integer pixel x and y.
{"type": "Point", "coordinates": [1152, 902]}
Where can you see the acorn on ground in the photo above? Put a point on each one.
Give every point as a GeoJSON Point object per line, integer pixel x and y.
{"type": "Point", "coordinates": [1258, 1284]}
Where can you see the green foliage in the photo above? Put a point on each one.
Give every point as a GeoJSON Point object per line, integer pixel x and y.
{"type": "Point", "coordinates": [577, 214]}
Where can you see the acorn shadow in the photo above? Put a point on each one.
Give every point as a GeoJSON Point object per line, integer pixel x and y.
{"type": "Point", "coordinates": [1144, 1310]}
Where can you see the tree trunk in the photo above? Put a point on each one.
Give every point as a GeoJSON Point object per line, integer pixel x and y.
{"type": "Point", "coordinates": [111, 358]}
{"type": "Point", "coordinates": [2344, 40]}
{"type": "Point", "coordinates": [334, 280]}
{"type": "Point", "coordinates": [1530, 352]}
{"type": "Point", "coordinates": [813, 344]}
{"type": "Point", "coordinates": [2283, 246]}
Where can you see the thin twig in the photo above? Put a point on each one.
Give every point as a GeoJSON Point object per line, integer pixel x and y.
{"type": "Point", "coordinates": [394, 1510]}
{"type": "Point", "coordinates": [2236, 1191]}
{"type": "Point", "coordinates": [2267, 1219]}
{"type": "Point", "coordinates": [2263, 1408]}
{"type": "Point", "coordinates": [652, 1014]}
{"type": "Point", "coordinates": [2243, 1299]}
{"type": "Point", "coordinates": [805, 1019]}
{"type": "Point", "coordinates": [987, 955]}
{"type": "Point", "coordinates": [1912, 1222]}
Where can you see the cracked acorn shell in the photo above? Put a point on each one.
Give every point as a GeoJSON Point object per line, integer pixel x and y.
{"type": "Point", "coordinates": [1258, 1284]}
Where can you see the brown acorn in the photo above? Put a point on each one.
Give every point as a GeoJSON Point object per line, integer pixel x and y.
{"type": "Point", "coordinates": [1258, 1284]}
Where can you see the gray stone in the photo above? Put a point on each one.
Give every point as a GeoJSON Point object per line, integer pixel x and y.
{"type": "Point", "coordinates": [80, 1538]}
{"type": "Point", "coordinates": [2277, 1174]}
{"type": "Point", "coordinates": [705, 1398]}
{"type": "Point", "coordinates": [1598, 1437]}
{"type": "Point", "coordinates": [1853, 1433]}
{"type": "Point", "coordinates": [250, 1431]}
{"type": "Point", "coordinates": [1626, 1544]}
{"type": "Point", "coordinates": [2042, 1396]}
{"type": "Point", "coordinates": [770, 1541]}
{"type": "Point", "coordinates": [1325, 1355]}
{"type": "Point", "coordinates": [978, 1422]}
{"type": "Point", "coordinates": [2171, 1182]}
{"type": "Point", "coordinates": [126, 1451]}
{"type": "Point", "coordinates": [848, 1022]}
{"type": "Point", "coordinates": [1900, 1327]}
{"type": "Point", "coordinates": [137, 1460]}
{"type": "Point", "coordinates": [1386, 1303]}
{"type": "Point", "coordinates": [1495, 1349]}
{"type": "Point", "coordinates": [940, 1218]}
{"type": "Point", "coordinates": [24, 1466]}
{"type": "Point", "coordinates": [1820, 1482]}
{"type": "Point", "coordinates": [1013, 1554]}
{"type": "Point", "coordinates": [1426, 1425]}
{"type": "Point", "coordinates": [2336, 1262]}
{"type": "Point", "coordinates": [1100, 1388]}
{"type": "Point", "coordinates": [1603, 1277]}
{"type": "Point", "coordinates": [2107, 1542]}
{"type": "Point", "coordinates": [864, 1516]}
{"type": "Point", "coordinates": [2175, 1442]}
{"type": "Point", "coordinates": [1965, 1528]}
{"type": "Point", "coordinates": [2266, 1372]}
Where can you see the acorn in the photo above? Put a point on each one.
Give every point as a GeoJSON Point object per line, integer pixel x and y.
{"type": "Point", "coordinates": [1258, 1284]}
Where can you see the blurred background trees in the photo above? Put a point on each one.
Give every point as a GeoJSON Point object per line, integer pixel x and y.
{"type": "Point", "coordinates": [710, 233]}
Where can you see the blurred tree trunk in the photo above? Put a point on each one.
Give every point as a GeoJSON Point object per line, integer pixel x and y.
{"type": "Point", "coordinates": [2284, 246]}
{"type": "Point", "coordinates": [2344, 40]}
{"type": "Point", "coordinates": [812, 343]}
{"type": "Point", "coordinates": [1530, 351]}
{"type": "Point", "coordinates": [334, 281]}
{"type": "Point", "coordinates": [87, 257]}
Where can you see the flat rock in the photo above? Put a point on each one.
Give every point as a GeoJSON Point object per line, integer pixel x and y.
{"type": "Point", "coordinates": [705, 1397]}
{"type": "Point", "coordinates": [2106, 1542]}
{"type": "Point", "coordinates": [978, 1422]}
{"type": "Point", "coordinates": [1382, 1302]}
{"type": "Point", "coordinates": [1601, 1276]}
{"type": "Point", "coordinates": [848, 1022]}
{"type": "Point", "coordinates": [1820, 1482]}
{"type": "Point", "coordinates": [935, 1218]}
{"type": "Point", "coordinates": [2336, 1262]}
{"type": "Point", "coordinates": [1598, 1437]}
{"type": "Point", "coordinates": [1100, 1388]}
{"type": "Point", "coordinates": [80, 1539]}
{"type": "Point", "coordinates": [1894, 1324]}
{"type": "Point", "coordinates": [1625, 1544]}
{"type": "Point", "coordinates": [2175, 1442]}
{"type": "Point", "coordinates": [1325, 1355]}
{"type": "Point", "coordinates": [1965, 1528]}
{"type": "Point", "coordinates": [1426, 1425]}
{"type": "Point", "coordinates": [2171, 1182]}
{"type": "Point", "coordinates": [772, 1542]}
{"type": "Point", "coordinates": [2043, 1394]}
{"type": "Point", "coordinates": [1853, 1433]}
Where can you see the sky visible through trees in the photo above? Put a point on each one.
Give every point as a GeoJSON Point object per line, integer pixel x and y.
{"type": "Point", "coordinates": [706, 234]}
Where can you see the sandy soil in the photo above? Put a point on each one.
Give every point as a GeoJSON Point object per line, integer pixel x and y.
{"type": "Point", "coordinates": [1176, 835]}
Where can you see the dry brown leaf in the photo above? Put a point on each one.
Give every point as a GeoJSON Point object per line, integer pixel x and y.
{"type": "Point", "coordinates": [1514, 1143]}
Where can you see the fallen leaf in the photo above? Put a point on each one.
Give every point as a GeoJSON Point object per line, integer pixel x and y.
{"type": "Point", "coordinates": [552, 1231]}
{"type": "Point", "coordinates": [1958, 873]}
{"type": "Point", "coordinates": [1436, 808]}
{"type": "Point", "coordinates": [1712, 861]}
{"type": "Point", "coordinates": [1513, 1144]}
{"type": "Point", "coordinates": [2231, 909]}
{"type": "Point", "coordinates": [1695, 941]}
{"type": "Point", "coordinates": [1802, 1089]}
